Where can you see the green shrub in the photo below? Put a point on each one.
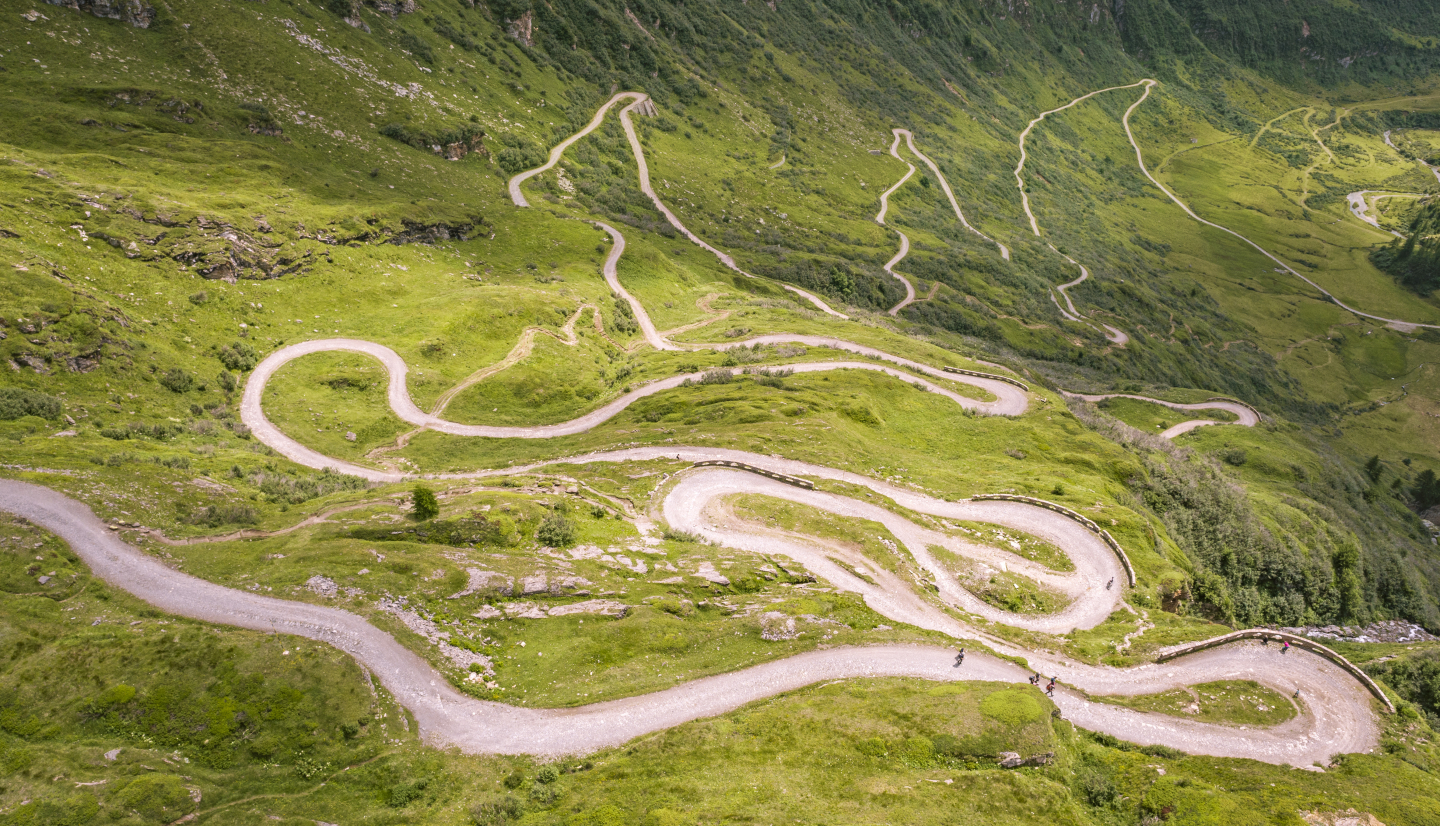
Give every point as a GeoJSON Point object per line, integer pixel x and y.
{"type": "Point", "coordinates": [423, 504]}
{"type": "Point", "coordinates": [16, 402]}
{"type": "Point", "coordinates": [177, 381]}
{"type": "Point", "coordinates": [547, 774]}
{"type": "Point", "coordinates": [413, 44]}
{"type": "Point", "coordinates": [861, 413]}
{"type": "Point", "coordinates": [872, 747]}
{"type": "Point", "coordinates": [403, 794]}
{"type": "Point", "coordinates": [1012, 706]}
{"type": "Point", "coordinates": [499, 812]}
{"type": "Point", "coordinates": [1096, 788]}
{"type": "Point", "coordinates": [514, 780]}
{"type": "Point", "coordinates": [213, 516]}
{"type": "Point", "coordinates": [239, 357]}
{"type": "Point", "coordinates": [158, 797]}
{"type": "Point", "coordinates": [135, 430]}
{"type": "Point", "coordinates": [556, 531]}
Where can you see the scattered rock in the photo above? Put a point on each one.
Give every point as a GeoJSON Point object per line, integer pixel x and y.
{"type": "Point", "coordinates": [707, 572]}
{"type": "Point", "coordinates": [523, 29]}
{"type": "Point", "coordinates": [112, 754]}
{"type": "Point", "coordinates": [1384, 631]}
{"type": "Point", "coordinates": [775, 626]}
{"type": "Point", "coordinates": [440, 639]}
{"type": "Point", "coordinates": [488, 612]}
{"type": "Point", "coordinates": [134, 12]}
{"type": "Point", "coordinates": [1349, 817]}
{"type": "Point", "coordinates": [63, 433]}
{"type": "Point", "coordinates": [323, 586]}
{"type": "Point", "coordinates": [536, 584]}
{"type": "Point", "coordinates": [523, 610]}
{"type": "Point", "coordinates": [482, 581]}
{"type": "Point", "coordinates": [603, 607]}
{"type": "Point", "coordinates": [1011, 760]}
{"type": "Point", "coordinates": [350, 436]}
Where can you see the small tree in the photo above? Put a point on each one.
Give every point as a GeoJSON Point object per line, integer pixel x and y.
{"type": "Point", "coordinates": [1426, 491]}
{"type": "Point", "coordinates": [423, 504]}
{"type": "Point", "coordinates": [1373, 468]}
{"type": "Point", "coordinates": [556, 531]}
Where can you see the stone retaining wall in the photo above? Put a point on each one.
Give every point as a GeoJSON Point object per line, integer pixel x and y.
{"type": "Point", "coordinates": [1258, 414]}
{"type": "Point", "coordinates": [1018, 383]}
{"type": "Point", "coordinates": [769, 474]}
{"type": "Point", "coordinates": [1280, 636]}
{"type": "Point", "coordinates": [1078, 517]}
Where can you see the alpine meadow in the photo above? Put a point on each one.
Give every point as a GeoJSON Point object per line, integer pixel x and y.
{"type": "Point", "coordinates": [1014, 412]}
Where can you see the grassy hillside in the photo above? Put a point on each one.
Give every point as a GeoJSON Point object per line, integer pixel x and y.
{"type": "Point", "coordinates": [184, 198]}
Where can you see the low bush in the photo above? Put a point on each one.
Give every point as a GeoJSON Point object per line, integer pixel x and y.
{"type": "Point", "coordinates": [177, 381]}
{"type": "Point", "coordinates": [16, 402]}
{"type": "Point", "coordinates": [239, 357]}
{"type": "Point", "coordinates": [555, 531]}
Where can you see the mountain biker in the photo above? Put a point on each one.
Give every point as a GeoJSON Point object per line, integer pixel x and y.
{"type": "Point", "coordinates": [960, 658]}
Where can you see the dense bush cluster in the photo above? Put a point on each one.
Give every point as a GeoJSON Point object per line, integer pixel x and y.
{"type": "Point", "coordinates": [1415, 260]}
{"type": "Point", "coordinates": [16, 402]}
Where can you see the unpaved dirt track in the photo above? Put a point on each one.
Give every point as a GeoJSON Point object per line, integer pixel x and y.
{"type": "Point", "coordinates": [1113, 335]}
{"type": "Point", "coordinates": [1336, 713]}
{"type": "Point", "coordinates": [1010, 400]}
{"type": "Point", "coordinates": [1399, 324]}
{"type": "Point", "coordinates": [904, 240]}
{"type": "Point", "coordinates": [1020, 167]}
{"type": "Point", "coordinates": [639, 100]}
{"type": "Point", "coordinates": [519, 197]}
{"type": "Point", "coordinates": [945, 185]}
{"type": "Point", "coordinates": [1336, 719]}
{"type": "Point", "coordinates": [1245, 415]}
{"type": "Point", "coordinates": [1360, 207]}
{"type": "Point", "coordinates": [644, 170]}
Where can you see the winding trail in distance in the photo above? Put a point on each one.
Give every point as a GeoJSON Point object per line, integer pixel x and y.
{"type": "Point", "coordinates": [904, 239]}
{"type": "Point", "coordinates": [1360, 206]}
{"type": "Point", "coordinates": [945, 185]}
{"type": "Point", "coordinates": [642, 103]}
{"type": "Point", "coordinates": [1245, 415]}
{"type": "Point", "coordinates": [1399, 324]}
{"type": "Point", "coordinates": [1020, 167]}
{"type": "Point", "coordinates": [1115, 336]}
{"type": "Point", "coordinates": [1421, 161]}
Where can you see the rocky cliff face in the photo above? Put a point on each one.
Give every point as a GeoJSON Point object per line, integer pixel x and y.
{"type": "Point", "coordinates": [134, 12]}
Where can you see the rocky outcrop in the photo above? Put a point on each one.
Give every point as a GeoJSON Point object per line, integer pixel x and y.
{"type": "Point", "coordinates": [1384, 631]}
{"type": "Point", "coordinates": [134, 12]}
{"type": "Point", "coordinates": [523, 28]}
{"type": "Point", "coordinates": [393, 8]}
{"type": "Point", "coordinates": [1012, 760]}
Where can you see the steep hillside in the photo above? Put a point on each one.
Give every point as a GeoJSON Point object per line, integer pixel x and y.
{"type": "Point", "coordinates": [889, 240]}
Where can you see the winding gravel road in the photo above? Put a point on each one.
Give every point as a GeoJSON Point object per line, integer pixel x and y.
{"type": "Point", "coordinates": [1336, 716]}
{"type": "Point", "coordinates": [1360, 207]}
{"type": "Point", "coordinates": [1245, 415]}
{"type": "Point", "coordinates": [642, 103]}
{"type": "Point", "coordinates": [1112, 334]}
{"type": "Point", "coordinates": [904, 240]}
{"type": "Point", "coordinates": [945, 185]}
{"type": "Point", "coordinates": [1399, 324]}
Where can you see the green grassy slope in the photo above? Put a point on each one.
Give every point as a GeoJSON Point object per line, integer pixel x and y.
{"type": "Point", "coordinates": [183, 199]}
